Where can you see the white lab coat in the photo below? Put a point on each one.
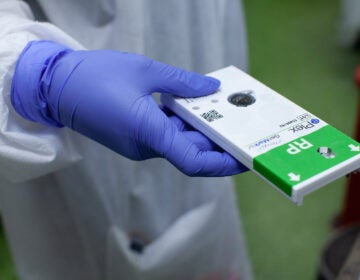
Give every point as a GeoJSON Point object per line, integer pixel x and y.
{"type": "Point", "coordinates": [69, 204]}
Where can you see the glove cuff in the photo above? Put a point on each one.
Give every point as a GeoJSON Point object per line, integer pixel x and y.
{"type": "Point", "coordinates": [32, 77]}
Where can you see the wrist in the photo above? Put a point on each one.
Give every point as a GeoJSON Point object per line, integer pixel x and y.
{"type": "Point", "coordinates": [32, 79]}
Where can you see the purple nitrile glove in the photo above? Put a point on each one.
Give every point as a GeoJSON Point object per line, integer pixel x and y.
{"type": "Point", "coordinates": [107, 96]}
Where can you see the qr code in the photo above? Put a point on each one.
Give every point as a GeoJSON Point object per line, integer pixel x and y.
{"type": "Point", "coordinates": [211, 115]}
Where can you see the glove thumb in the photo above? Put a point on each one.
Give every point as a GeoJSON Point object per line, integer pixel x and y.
{"type": "Point", "coordinates": [177, 81]}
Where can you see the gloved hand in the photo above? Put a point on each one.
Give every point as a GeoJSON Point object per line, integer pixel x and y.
{"type": "Point", "coordinates": [107, 96]}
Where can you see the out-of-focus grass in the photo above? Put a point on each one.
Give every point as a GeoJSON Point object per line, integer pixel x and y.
{"type": "Point", "coordinates": [293, 49]}
{"type": "Point", "coordinates": [6, 266]}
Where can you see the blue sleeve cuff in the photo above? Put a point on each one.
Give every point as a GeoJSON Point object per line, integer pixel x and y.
{"type": "Point", "coordinates": [31, 79]}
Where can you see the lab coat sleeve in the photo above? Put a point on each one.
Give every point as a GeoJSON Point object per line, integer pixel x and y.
{"type": "Point", "coordinates": [27, 149]}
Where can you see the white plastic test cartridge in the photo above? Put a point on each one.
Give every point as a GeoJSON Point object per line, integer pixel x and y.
{"type": "Point", "coordinates": [293, 150]}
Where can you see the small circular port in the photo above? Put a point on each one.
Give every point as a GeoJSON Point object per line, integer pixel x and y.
{"type": "Point", "coordinates": [242, 98]}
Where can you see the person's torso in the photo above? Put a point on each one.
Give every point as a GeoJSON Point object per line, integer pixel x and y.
{"type": "Point", "coordinates": [197, 35]}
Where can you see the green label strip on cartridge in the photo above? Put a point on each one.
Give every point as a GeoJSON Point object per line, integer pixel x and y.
{"type": "Point", "coordinates": [296, 161]}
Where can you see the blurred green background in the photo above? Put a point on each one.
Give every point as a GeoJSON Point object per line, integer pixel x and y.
{"type": "Point", "coordinates": [6, 265]}
{"type": "Point", "coordinates": [293, 49]}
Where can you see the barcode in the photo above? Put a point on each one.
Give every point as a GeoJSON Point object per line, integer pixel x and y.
{"type": "Point", "coordinates": [212, 115]}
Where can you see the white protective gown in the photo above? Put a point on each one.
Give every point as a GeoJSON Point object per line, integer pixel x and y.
{"type": "Point", "coordinates": [70, 206]}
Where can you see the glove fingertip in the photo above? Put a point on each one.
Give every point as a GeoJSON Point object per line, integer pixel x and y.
{"type": "Point", "coordinates": [229, 166]}
{"type": "Point", "coordinates": [211, 85]}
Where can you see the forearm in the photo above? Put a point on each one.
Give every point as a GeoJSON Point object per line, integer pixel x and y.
{"type": "Point", "coordinates": [30, 148]}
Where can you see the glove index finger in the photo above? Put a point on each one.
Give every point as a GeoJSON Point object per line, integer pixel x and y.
{"type": "Point", "coordinates": [192, 161]}
{"type": "Point", "coordinates": [180, 82]}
